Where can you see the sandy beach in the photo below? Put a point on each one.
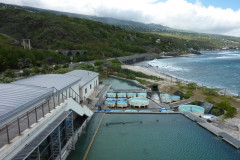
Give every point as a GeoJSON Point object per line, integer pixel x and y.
{"type": "Point", "coordinates": [167, 80]}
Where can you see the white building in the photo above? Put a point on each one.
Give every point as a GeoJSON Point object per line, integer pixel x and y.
{"type": "Point", "coordinates": [38, 110]}
{"type": "Point", "coordinates": [89, 81]}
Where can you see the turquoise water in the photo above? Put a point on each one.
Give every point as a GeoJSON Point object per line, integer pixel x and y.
{"type": "Point", "coordinates": [120, 84]}
{"type": "Point", "coordinates": [213, 68]}
{"type": "Point", "coordinates": [192, 108]}
{"type": "Point", "coordinates": [138, 100]}
{"type": "Point", "coordinates": [85, 138]}
{"type": "Point", "coordinates": [157, 137]}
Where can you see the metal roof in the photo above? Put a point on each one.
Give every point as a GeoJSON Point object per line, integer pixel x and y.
{"type": "Point", "coordinates": [86, 76]}
{"type": "Point", "coordinates": [41, 137]}
{"type": "Point", "coordinates": [59, 81]}
{"type": "Point", "coordinates": [15, 98]}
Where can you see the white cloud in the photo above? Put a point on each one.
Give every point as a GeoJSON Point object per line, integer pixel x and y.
{"type": "Point", "coordinates": [178, 14]}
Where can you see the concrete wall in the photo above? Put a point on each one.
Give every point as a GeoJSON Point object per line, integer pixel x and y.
{"type": "Point", "coordinates": [94, 83]}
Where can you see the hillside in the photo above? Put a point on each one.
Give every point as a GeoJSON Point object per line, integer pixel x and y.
{"type": "Point", "coordinates": [13, 56]}
{"type": "Point", "coordinates": [227, 42]}
{"type": "Point", "coordinates": [50, 31]}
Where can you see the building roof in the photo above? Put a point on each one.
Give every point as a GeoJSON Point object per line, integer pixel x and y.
{"type": "Point", "coordinates": [15, 98]}
{"type": "Point", "coordinates": [86, 76]}
{"type": "Point", "coordinates": [59, 81]}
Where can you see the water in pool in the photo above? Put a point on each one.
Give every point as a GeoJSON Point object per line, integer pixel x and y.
{"type": "Point", "coordinates": [120, 84]}
{"type": "Point", "coordinates": [157, 137]}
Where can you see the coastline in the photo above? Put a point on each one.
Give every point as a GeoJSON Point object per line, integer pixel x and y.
{"type": "Point", "coordinates": [226, 125]}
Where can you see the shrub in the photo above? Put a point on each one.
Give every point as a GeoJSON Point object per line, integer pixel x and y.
{"type": "Point", "coordinates": [217, 111]}
{"type": "Point", "coordinates": [194, 102]}
{"type": "Point", "coordinates": [36, 70]}
{"type": "Point", "coordinates": [231, 111]}
{"type": "Point", "coordinates": [131, 76]}
{"type": "Point", "coordinates": [4, 79]}
{"type": "Point", "coordinates": [188, 95]}
{"type": "Point", "coordinates": [26, 72]}
{"type": "Point", "coordinates": [62, 70]}
{"type": "Point", "coordinates": [9, 73]}
{"type": "Point", "coordinates": [120, 75]}
{"type": "Point", "coordinates": [210, 100]}
{"type": "Point", "coordinates": [98, 63]}
{"type": "Point", "coordinates": [210, 91]}
{"type": "Point", "coordinates": [191, 85]}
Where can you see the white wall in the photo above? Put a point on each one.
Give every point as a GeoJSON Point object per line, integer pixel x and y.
{"type": "Point", "coordinates": [89, 90]}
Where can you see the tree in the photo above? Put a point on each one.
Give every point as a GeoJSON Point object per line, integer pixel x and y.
{"type": "Point", "coordinates": [3, 63]}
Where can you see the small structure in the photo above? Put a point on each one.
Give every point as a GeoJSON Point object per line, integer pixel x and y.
{"type": "Point", "coordinates": [122, 104]}
{"type": "Point", "coordinates": [111, 95]}
{"type": "Point", "coordinates": [121, 99]}
{"type": "Point", "coordinates": [131, 95]}
{"type": "Point", "coordinates": [142, 95]}
{"type": "Point", "coordinates": [121, 95]}
{"type": "Point", "coordinates": [138, 102]}
{"type": "Point", "coordinates": [175, 98]}
{"type": "Point", "coordinates": [165, 98]}
{"type": "Point", "coordinates": [110, 103]}
{"type": "Point", "coordinates": [208, 116]}
{"type": "Point", "coordinates": [111, 99]}
{"type": "Point", "coordinates": [196, 110]}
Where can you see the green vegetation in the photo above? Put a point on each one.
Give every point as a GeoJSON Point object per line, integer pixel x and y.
{"type": "Point", "coordinates": [231, 111]}
{"type": "Point", "coordinates": [192, 86]}
{"type": "Point", "coordinates": [48, 31]}
{"type": "Point", "coordinates": [210, 100]}
{"type": "Point", "coordinates": [217, 111]}
{"type": "Point", "coordinates": [210, 91]}
{"type": "Point", "coordinates": [188, 95]}
{"type": "Point", "coordinates": [13, 56]}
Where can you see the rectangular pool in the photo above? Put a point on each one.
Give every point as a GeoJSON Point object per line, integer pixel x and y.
{"type": "Point", "coordinates": [155, 137]}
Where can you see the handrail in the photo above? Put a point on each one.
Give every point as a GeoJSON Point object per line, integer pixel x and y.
{"type": "Point", "coordinates": [76, 94]}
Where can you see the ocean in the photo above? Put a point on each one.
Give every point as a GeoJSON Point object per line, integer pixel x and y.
{"type": "Point", "coordinates": [219, 69]}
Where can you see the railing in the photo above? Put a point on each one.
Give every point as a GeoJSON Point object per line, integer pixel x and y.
{"type": "Point", "coordinates": [17, 126]}
{"type": "Point", "coordinates": [75, 96]}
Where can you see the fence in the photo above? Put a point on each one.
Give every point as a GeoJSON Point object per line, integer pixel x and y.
{"type": "Point", "coordinates": [17, 126]}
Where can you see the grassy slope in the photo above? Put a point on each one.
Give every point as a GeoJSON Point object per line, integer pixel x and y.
{"type": "Point", "coordinates": [50, 31]}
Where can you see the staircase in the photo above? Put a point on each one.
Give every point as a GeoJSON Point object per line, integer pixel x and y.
{"type": "Point", "coordinates": [70, 131]}
{"type": "Point", "coordinates": [56, 144]}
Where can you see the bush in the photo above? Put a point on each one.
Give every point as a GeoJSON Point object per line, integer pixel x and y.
{"type": "Point", "coordinates": [98, 63]}
{"type": "Point", "coordinates": [210, 100]}
{"type": "Point", "coordinates": [194, 102]}
{"type": "Point", "coordinates": [116, 61]}
{"type": "Point", "coordinates": [62, 70]}
{"type": "Point", "coordinates": [36, 70]}
{"type": "Point", "coordinates": [120, 75]}
{"type": "Point", "coordinates": [188, 95]}
{"type": "Point", "coordinates": [4, 79]}
{"type": "Point", "coordinates": [217, 111]}
{"type": "Point", "coordinates": [231, 111]}
{"type": "Point", "coordinates": [131, 76]}
{"type": "Point", "coordinates": [210, 91]}
{"type": "Point", "coordinates": [9, 73]}
{"type": "Point", "coordinates": [191, 85]}
{"type": "Point", "coordinates": [26, 72]}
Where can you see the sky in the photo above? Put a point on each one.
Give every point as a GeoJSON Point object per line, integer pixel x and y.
{"type": "Point", "coordinates": [207, 16]}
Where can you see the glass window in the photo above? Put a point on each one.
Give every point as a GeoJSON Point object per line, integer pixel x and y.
{"type": "Point", "coordinates": [90, 86]}
{"type": "Point", "coordinates": [85, 90]}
